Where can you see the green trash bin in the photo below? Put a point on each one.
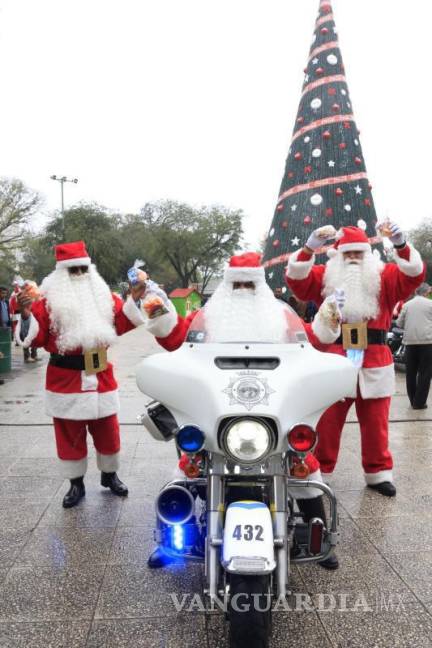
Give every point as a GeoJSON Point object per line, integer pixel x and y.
{"type": "Point", "coordinates": [5, 350]}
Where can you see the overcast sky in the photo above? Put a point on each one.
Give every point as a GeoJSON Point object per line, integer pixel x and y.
{"type": "Point", "coordinates": [195, 100]}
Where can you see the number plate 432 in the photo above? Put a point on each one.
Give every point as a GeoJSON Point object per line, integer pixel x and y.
{"type": "Point", "coordinates": [248, 535]}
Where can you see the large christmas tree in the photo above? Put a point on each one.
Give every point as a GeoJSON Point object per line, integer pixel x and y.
{"type": "Point", "coordinates": [325, 179]}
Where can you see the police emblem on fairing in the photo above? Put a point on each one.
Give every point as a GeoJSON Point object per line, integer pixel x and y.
{"type": "Point", "coordinates": [249, 389]}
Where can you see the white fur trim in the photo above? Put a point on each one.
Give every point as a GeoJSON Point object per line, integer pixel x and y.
{"type": "Point", "coordinates": [70, 469]}
{"type": "Point", "coordinates": [163, 325]}
{"type": "Point", "coordinates": [108, 463]}
{"type": "Point", "coordinates": [299, 269]}
{"type": "Point", "coordinates": [132, 312]}
{"type": "Point", "coordinates": [414, 266]}
{"type": "Point", "coordinates": [71, 263]}
{"type": "Point", "coordinates": [307, 493]}
{"type": "Point", "coordinates": [324, 333]}
{"type": "Point", "coordinates": [32, 332]}
{"type": "Point", "coordinates": [82, 406]}
{"type": "Point", "coordinates": [355, 247]}
{"type": "Point", "coordinates": [377, 382]}
{"type": "Point", "coordinates": [88, 383]}
{"type": "Point", "coordinates": [244, 274]}
{"type": "Point", "coordinates": [379, 477]}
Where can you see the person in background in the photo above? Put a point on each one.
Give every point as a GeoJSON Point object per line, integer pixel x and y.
{"type": "Point", "coordinates": [5, 320]}
{"type": "Point", "coordinates": [416, 320]}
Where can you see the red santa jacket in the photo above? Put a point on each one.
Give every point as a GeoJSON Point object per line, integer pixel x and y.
{"type": "Point", "coordinates": [70, 393]}
{"type": "Point", "coordinates": [398, 281]}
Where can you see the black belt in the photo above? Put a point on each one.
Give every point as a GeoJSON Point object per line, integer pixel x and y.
{"type": "Point", "coordinates": [374, 336]}
{"type": "Point", "coordinates": [67, 361]}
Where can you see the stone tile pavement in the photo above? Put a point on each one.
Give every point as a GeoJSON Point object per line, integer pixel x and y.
{"type": "Point", "coordinates": [75, 578]}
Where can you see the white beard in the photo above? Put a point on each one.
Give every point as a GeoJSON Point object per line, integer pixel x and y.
{"type": "Point", "coordinates": [244, 315]}
{"type": "Point", "coordinates": [81, 309]}
{"type": "Point", "coordinates": [361, 283]}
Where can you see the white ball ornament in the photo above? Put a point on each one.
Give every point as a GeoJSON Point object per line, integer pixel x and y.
{"type": "Point", "coordinates": [272, 231]}
{"type": "Point", "coordinates": [316, 153]}
{"type": "Point", "coordinates": [306, 139]}
{"type": "Point", "coordinates": [316, 199]}
{"type": "Point", "coordinates": [347, 208]}
{"type": "Point", "coordinates": [332, 59]}
{"type": "Point", "coordinates": [316, 103]}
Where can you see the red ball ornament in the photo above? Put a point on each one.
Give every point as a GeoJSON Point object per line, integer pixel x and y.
{"type": "Point", "coordinates": [326, 135]}
{"type": "Point", "coordinates": [298, 156]}
{"type": "Point", "coordinates": [358, 161]}
{"type": "Point", "coordinates": [290, 174]}
{"type": "Point", "coordinates": [324, 31]}
{"type": "Point", "coordinates": [280, 207]}
{"type": "Point", "coordinates": [285, 224]}
{"type": "Point", "coordinates": [331, 92]}
{"type": "Point", "coordinates": [339, 192]}
{"type": "Point", "coordinates": [329, 212]}
{"type": "Point", "coordinates": [300, 120]}
{"type": "Point", "coordinates": [347, 125]}
{"type": "Point", "coordinates": [305, 70]}
{"type": "Point", "coordinates": [275, 242]}
{"type": "Point", "coordinates": [319, 71]}
{"type": "Point", "coordinates": [336, 107]}
{"type": "Point", "coordinates": [342, 146]}
{"type": "Point", "coordinates": [308, 169]}
{"type": "Point", "coordinates": [307, 220]}
{"type": "Point", "coordinates": [367, 202]}
{"type": "Point", "coordinates": [326, 8]}
{"type": "Point", "coordinates": [370, 186]}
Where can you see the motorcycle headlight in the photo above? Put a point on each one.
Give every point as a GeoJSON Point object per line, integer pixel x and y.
{"type": "Point", "coordinates": [247, 440]}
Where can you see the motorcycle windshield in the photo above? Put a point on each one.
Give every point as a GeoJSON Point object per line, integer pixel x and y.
{"type": "Point", "coordinates": [282, 326]}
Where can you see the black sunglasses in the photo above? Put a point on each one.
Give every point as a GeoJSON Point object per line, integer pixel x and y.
{"type": "Point", "coordinates": [75, 270]}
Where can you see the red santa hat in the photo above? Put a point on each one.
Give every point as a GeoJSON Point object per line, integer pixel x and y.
{"type": "Point", "coordinates": [350, 239]}
{"type": "Point", "coordinates": [71, 254]}
{"type": "Point", "coordinates": [245, 267]}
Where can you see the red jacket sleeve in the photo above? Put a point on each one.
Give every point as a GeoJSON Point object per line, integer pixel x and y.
{"type": "Point", "coordinates": [399, 285]}
{"type": "Point", "coordinates": [178, 335]}
{"type": "Point", "coordinates": [126, 315]}
{"type": "Point", "coordinates": [308, 289]}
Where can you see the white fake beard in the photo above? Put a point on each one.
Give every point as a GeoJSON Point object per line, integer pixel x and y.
{"type": "Point", "coordinates": [361, 282]}
{"type": "Point", "coordinates": [245, 315]}
{"type": "Point", "coordinates": [81, 309]}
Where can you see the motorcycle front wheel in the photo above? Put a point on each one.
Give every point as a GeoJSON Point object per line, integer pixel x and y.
{"type": "Point", "coordinates": [249, 611]}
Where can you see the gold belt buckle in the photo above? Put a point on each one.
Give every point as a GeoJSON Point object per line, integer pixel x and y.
{"type": "Point", "coordinates": [95, 361]}
{"type": "Point", "coordinates": [354, 336]}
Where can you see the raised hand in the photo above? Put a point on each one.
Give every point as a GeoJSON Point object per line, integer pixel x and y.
{"type": "Point", "coordinates": [319, 237]}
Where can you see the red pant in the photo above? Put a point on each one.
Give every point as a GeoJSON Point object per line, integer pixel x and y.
{"type": "Point", "coordinates": [71, 437]}
{"type": "Point", "coordinates": [373, 414]}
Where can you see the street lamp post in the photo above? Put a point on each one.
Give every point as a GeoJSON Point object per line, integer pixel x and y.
{"type": "Point", "coordinates": [62, 180]}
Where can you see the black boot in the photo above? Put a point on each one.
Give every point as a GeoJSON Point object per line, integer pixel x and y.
{"type": "Point", "coordinates": [110, 480]}
{"type": "Point", "coordinates": [158, 559]}
{"type": "Point", "coordinates": [75, 492]}
{"type": "Point", "coordinates": [312, 508]}
{"type": "Point", "coordinates": [384, 488]}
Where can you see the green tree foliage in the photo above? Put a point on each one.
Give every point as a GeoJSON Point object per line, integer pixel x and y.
{"type": "Point", "coordinates": [421, 238]}
{"type": "Point", "coordinates": [17, 204]}
{"type": "Point", "coordinates": [179, 244]}
{"type": "Point", "coordinates": [194, 242]}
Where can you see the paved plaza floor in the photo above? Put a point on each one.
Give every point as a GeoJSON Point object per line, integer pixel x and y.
{"type": "Point", "coordinates": [78, 577]}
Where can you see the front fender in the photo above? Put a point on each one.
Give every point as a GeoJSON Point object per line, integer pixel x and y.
{"type": "Point", "coordinates": [248, 543]}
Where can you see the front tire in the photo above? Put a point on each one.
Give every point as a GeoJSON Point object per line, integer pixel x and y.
{"type": "Point", "coordinates": [249, 611]}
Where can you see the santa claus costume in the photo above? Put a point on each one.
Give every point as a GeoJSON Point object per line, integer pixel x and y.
{"type": "Point", "coordinates": [76, 319]}
{"type": "Point", "coordinates": [371, 289]}
{"type": "Point", "coordinates": [243, 307]}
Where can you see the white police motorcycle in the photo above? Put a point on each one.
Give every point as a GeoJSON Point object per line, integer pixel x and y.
{"type": "Point", "coordinates": [243, 418]}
